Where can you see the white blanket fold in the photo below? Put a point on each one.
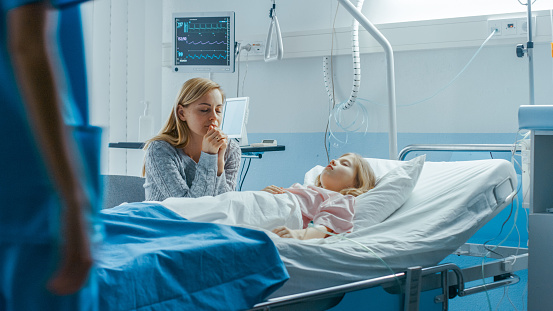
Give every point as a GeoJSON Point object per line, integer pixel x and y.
{"type": "Point", "coordinates": [252, 209]}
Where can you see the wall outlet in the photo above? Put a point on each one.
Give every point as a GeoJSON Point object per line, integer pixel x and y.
{"type": "Point", "coordinates": [494, 25]}
{"type": "Point", "coordinates": [510, 27]}
{"type": "Point", "coordinates": [257, 47]}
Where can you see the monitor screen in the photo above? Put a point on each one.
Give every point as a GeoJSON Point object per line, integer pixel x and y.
{"type": "Point", "coordinates": [235, 118]}
{"type": "Point", "coordinates": [203, 42]}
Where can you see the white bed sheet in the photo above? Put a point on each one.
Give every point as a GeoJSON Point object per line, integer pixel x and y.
{"type": "Point", "coordinates": [449, 203]}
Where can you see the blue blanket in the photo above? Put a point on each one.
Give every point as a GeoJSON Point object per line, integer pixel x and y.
{"type": "Point", "coordinates": [153, 259]}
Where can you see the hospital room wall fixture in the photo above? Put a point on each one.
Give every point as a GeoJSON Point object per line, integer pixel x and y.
{"type": "Point", "coordinates": [129, 83]}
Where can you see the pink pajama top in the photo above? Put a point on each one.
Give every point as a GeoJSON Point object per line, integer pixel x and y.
{"type": "Point", "coordinates": [324, 207]}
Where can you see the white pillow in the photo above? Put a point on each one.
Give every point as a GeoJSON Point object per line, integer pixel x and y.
{"type": "Point", "coordinates": [389, 194]}
{"type": "Point", "coordinates": [395, 182]}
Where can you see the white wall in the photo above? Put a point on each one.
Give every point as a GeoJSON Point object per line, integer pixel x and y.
{"type": "Point", "coordinates": [289, 96]}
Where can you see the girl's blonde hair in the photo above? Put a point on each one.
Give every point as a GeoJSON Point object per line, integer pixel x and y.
{"type": "Point", "coordinates": [364, 179]}
{"type": "Point", "coordinates": [175, 131]}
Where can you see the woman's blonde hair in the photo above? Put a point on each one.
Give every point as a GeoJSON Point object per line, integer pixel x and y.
{"type": "Point", "coordinates": [364, 179]}
{"type": "Point", "coordinates": [175, 131]}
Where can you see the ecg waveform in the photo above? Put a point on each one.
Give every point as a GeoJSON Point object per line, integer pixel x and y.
{"type": "Point", "coordinates": [207, 42]}
{"type": "Point", "coordinates": [206, 56]}
{"type": "Point", "coordinates": [205, 27]}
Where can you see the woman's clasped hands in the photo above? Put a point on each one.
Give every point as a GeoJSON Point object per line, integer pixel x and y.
{"type": "Point", "coordinates": [215, 141]}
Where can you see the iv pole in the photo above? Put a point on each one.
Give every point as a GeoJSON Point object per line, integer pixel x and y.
{"type": "Point", "coordinates": [530, 52]}
{"type": "Point", "coordinates": [530, 48]}
{"type": "Point", "coordinates": [391, 82]}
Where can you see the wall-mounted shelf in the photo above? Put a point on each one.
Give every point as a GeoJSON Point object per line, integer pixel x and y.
{"type": "Point", "coordinates": [245, 149]}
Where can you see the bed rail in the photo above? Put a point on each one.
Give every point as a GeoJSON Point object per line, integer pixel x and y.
{"type": "Point", "coordinates": [449, 277]}
{"type": "Point", "coordinates": [460, 147]}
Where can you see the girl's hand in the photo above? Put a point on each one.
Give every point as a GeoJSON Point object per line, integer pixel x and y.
{"type": "Point", "coordinates": [288, 233]}
{"type": "Point", "coordinates": [320, 232]}
{"type": "Point", "coordinates": [214, 140]}
{"type": "Point", "coordinates": [274, 189]}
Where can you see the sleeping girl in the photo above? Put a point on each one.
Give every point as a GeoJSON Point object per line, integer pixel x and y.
{"type": "Point", "coordinates": [329, 204]}
{"type": "Point", "coordinates": [288, 212]}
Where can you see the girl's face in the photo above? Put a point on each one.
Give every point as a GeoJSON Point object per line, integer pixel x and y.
{"type": "Point", "coordinates": [339, 174]}
{"type": "Point", "coordinates": [201, 114]}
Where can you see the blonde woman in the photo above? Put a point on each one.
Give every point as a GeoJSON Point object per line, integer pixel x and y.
{"type": "Point", "coordinates": [329, 204]}
{"type": "Point", "coordinates": [192, 157]}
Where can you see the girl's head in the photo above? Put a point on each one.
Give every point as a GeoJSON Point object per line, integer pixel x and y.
{"type": "Point", "coordinates": [198, 105]}
{"type": "Point", "coordinates": [349, 174]}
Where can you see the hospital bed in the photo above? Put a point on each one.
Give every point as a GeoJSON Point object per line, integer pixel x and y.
{"type": "Point", "coordinates": [450, 202]}
{"type": "Point", "coordinates": [437, 207]}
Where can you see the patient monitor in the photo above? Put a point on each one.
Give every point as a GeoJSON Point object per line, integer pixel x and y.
{"type": "Point", "coordinates": [235, 118]}
{"type": "Point", "coordinates": [203, 42]}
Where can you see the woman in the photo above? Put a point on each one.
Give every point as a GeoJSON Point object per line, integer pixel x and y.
{"type": "Point", "coordinates": [192, 157]}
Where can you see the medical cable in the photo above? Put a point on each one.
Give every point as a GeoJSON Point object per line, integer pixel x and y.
{"type": "Point", "coordinates": [331, 96]}
{"type": "Point", "coordinates": [495, 247]}
{"type": "Point", "coordinates": [243, 177]}
{"type": "Point", "coordinates": [356, 65]}
{"type": "Point", "coordinates": [245, 73]}
{"type": "Point", "coordinates": [448, 84]}
{"type": "Point", "coordinates": [337, 116]}
{"type": "Point", "coordinates": [239, 49]}
{"type": "Point", "coordinates": [492, 250]}
{"type": "Point", "coordinates": [356, 72]}
{"type": "Point", "coordinates": [370, 251]}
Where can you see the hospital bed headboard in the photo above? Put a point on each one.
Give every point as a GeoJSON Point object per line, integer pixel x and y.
{"type": "Point", "coordinates": [119, 189]}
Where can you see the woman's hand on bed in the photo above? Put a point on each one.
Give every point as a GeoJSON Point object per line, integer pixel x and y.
{"type": "Point", "coordinates": [274, 189]}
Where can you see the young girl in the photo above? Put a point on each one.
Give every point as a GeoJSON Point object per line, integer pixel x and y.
{"type": "Point", "coordinates": [192, 157]}
{"type": "Point", "coordinates": [329, 204]}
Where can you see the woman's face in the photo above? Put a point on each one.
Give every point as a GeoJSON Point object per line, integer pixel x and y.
{"type": "Point", "coordinates": [339, 174]}
{"type": "Point", "coordinates": [201, 114]}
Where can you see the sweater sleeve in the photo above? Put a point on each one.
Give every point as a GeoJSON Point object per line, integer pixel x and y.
{"type": "Point", "coordinates": [227, 180]}
{"type": "Point", "coordinates": [163, 177]}
{"type": "Point", "coordinates": [167, 175]}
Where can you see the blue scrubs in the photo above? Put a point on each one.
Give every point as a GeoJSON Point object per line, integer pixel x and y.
{"type": "Point", "coordinates": [29, 204]}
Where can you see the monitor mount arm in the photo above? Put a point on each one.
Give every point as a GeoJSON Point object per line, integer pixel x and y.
{"type": "Point", "coordinates": [391, 82]}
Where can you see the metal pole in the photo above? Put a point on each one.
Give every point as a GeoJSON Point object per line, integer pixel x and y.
{"type": "Point", "coordinates": [391, 80]}
{"type": "Point", "coordinates": [530, 48]}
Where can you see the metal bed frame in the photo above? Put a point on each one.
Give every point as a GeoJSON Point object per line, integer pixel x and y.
{"type": "Point", "coordinates": [409, 285]}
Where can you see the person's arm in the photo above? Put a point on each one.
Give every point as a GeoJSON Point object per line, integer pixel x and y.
{"type": "Point", "coordinates": [317, 232]}
{"type": "Point", "coordinates": [28, 49]}
{"type": "Point", "coordinates": [161, 163]}
{"type": "Point", "coordinates": [336, 213]}
{"type": "Point", "coordinates": [167, 174]}
{"type": "Point", "coordinates": [228, 179]}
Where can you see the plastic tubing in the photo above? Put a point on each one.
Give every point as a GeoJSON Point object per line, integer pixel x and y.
{"type": "Point", "coordinates": [448, 84]}
{"type": "Point", "coordinates": [370, 251]}
{"type": "Point", "coordinates": [356, 65]}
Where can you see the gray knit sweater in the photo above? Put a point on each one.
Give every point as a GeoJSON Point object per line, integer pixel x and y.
{"type": "Point", "coordinates": [172, 173]}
